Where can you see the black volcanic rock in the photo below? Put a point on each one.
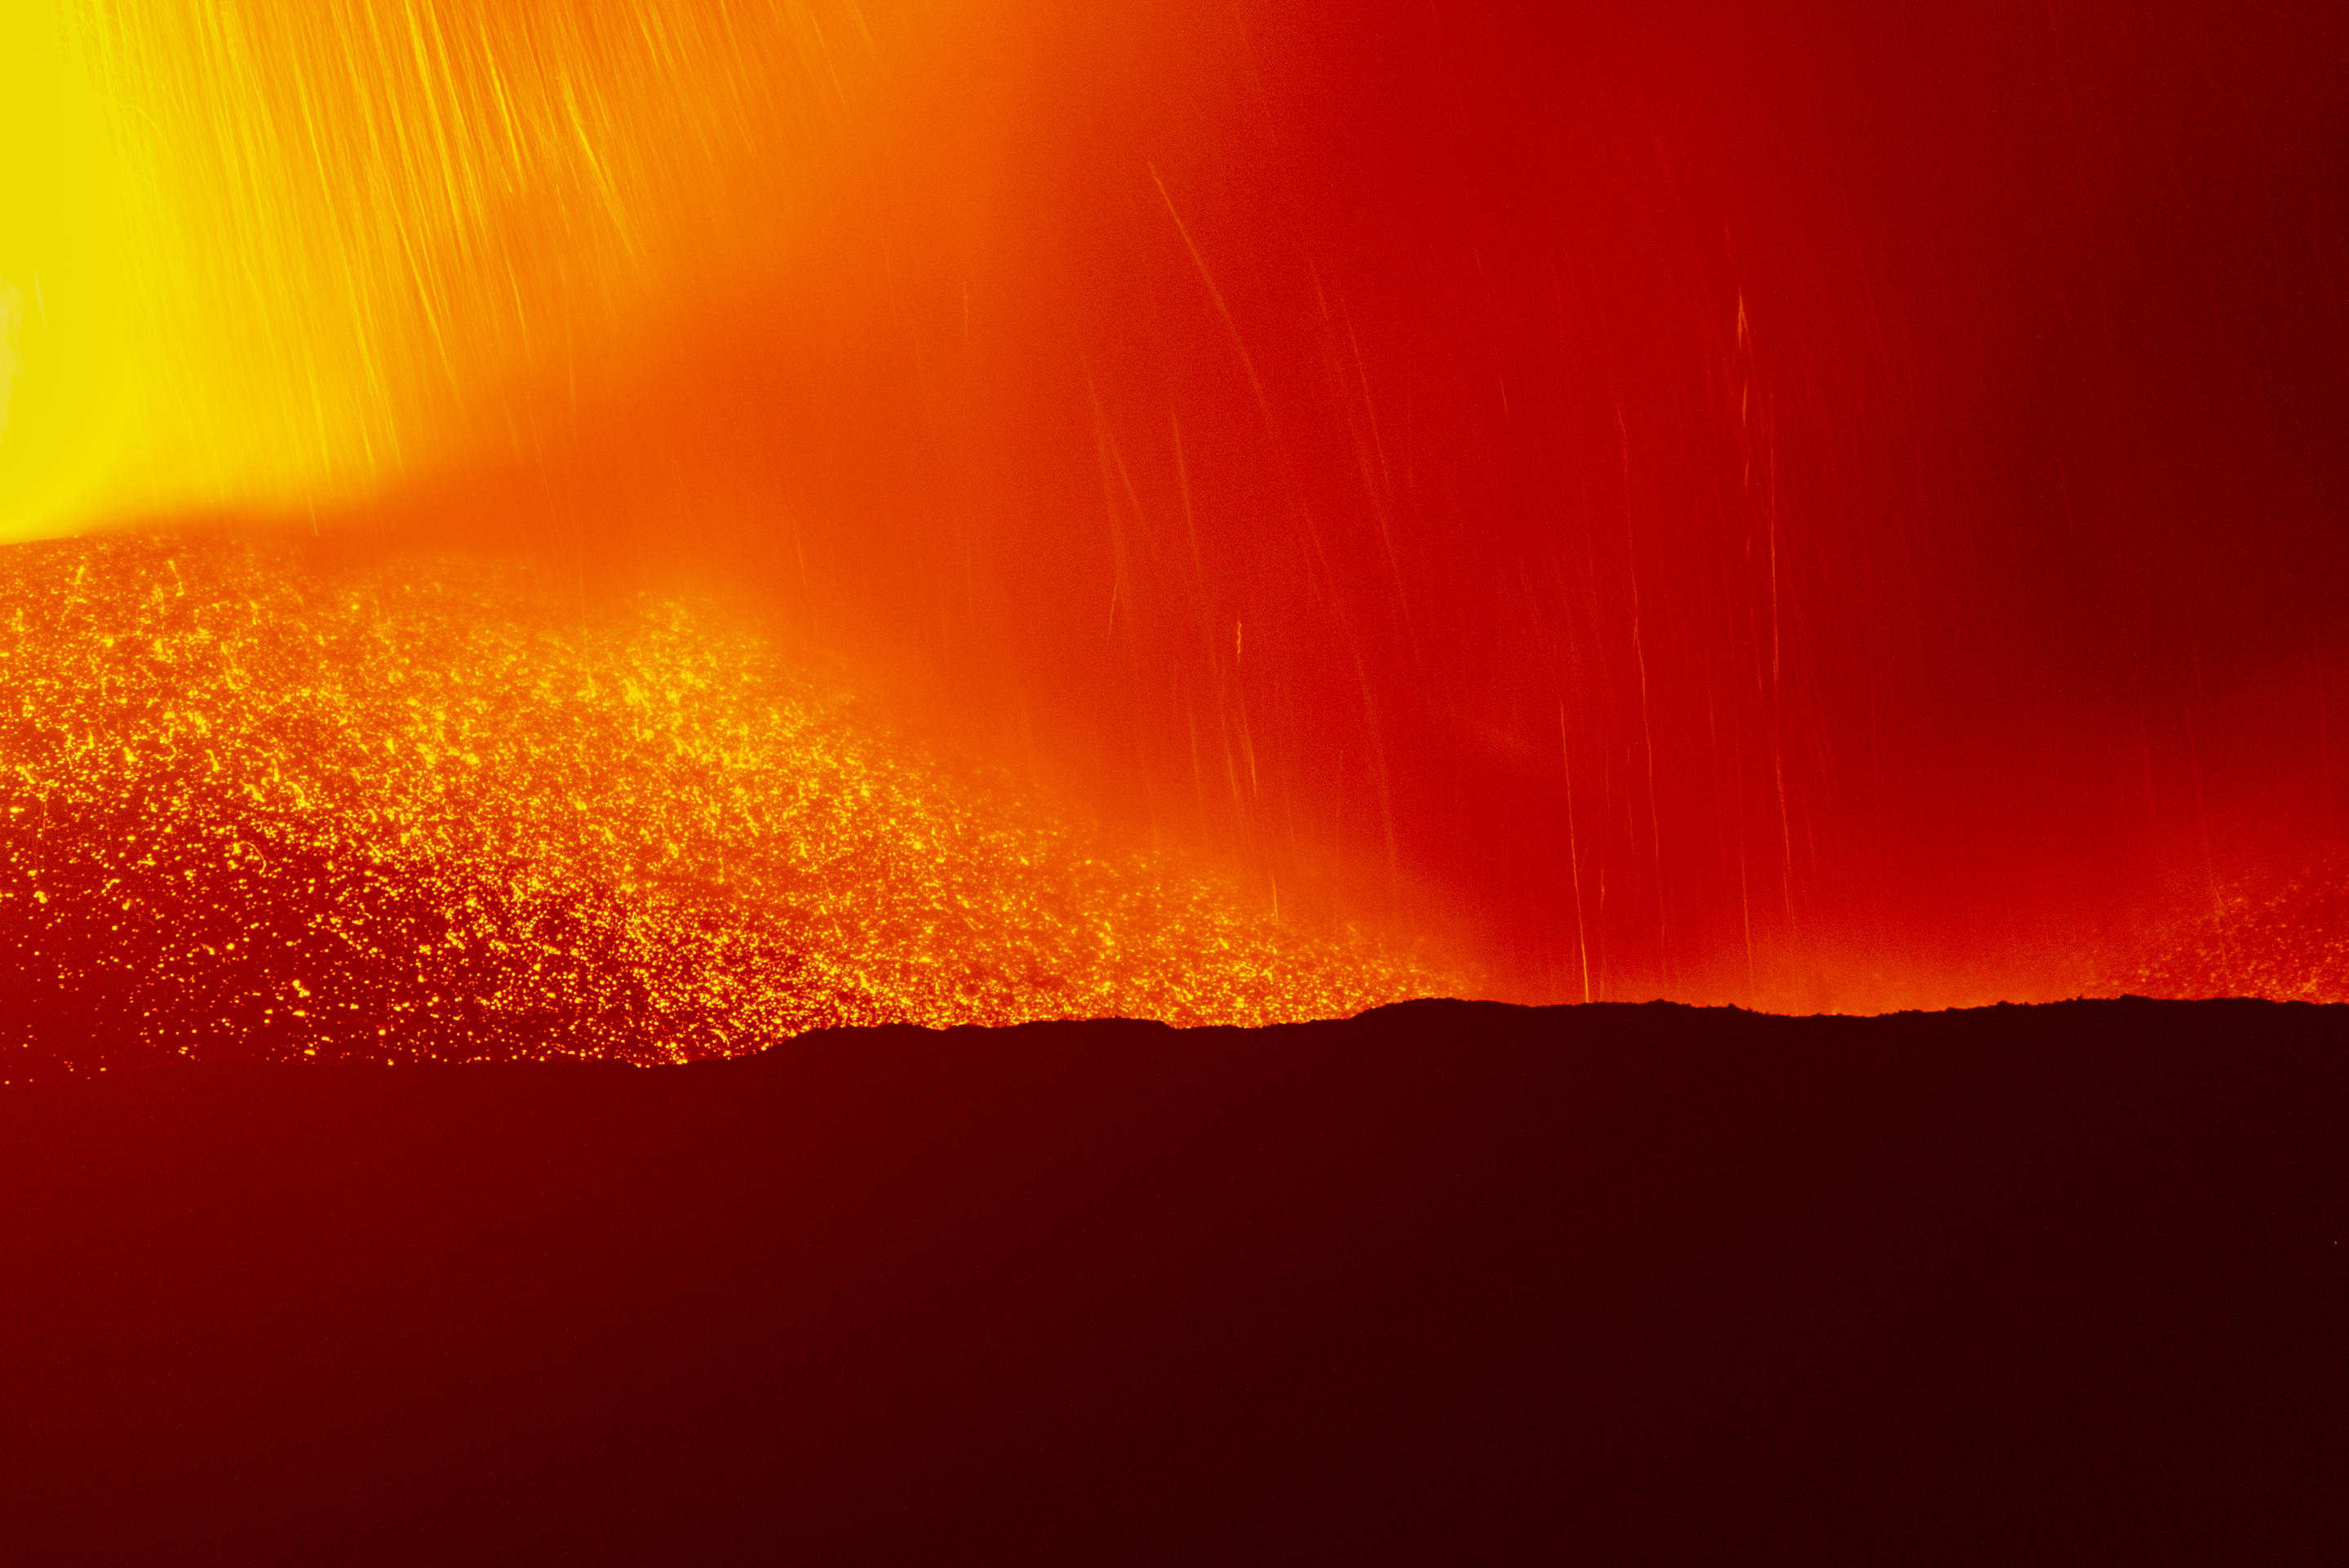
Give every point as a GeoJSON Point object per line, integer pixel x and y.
{"type": "Point", "coordinates": [1447, 1283]}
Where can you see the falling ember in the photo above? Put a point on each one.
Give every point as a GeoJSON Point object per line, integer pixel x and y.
{"type": "Point", "coordinates": [423, 810]}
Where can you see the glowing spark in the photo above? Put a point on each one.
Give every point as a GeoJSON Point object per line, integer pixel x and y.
{"type": "Point", "coordinates": [422, 811]}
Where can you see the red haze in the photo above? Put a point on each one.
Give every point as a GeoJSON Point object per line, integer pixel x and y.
{"type": "Point", "coordinates": [1803, 507]}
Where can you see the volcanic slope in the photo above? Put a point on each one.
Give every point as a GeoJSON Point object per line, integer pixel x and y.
{"type": "Point", "coordinates": [253, 805]}
{"type": "Point", "coordinates": [2282, 936]}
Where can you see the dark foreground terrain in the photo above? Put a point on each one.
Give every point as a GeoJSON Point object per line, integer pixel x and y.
{"type": "Point", "coordinates": [1448, 1284]}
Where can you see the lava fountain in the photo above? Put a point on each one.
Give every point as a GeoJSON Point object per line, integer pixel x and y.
{"type": "Point", "coordinates": [1795, 508]}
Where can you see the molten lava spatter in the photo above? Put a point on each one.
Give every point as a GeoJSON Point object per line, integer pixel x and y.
{"type": "Point", "coordinates": [2283, 937]}
{"type": "Point", "coordinates": [427, 811]}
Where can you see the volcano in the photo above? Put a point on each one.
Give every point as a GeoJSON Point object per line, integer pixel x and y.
{"type": "Point", "coordinates": [926, 781]}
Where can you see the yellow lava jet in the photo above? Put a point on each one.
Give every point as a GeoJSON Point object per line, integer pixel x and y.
{"type": "Point", "coordinates": [256, 805]}
{"type": "Point", "coordinates": [278, 255]}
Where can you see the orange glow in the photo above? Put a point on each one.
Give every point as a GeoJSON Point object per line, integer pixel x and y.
{"type": "Point", "coordinates": [1776, 507]}
{"type": "Point", "coordinates": [253, 807]}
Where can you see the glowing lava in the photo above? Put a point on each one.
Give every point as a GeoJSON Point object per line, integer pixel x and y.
{"type": "Point", "coordinates": [279, 254]}
{"type": "Point", "coordinates": [1793, 506]}
{"type": "Point", "coordinates": [2284, 937]}
{"type": "Point", "coordinates": [428, 810]}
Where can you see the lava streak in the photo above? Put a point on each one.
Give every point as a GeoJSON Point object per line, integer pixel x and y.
{"type": "Point", "coordinates": [278, 254]}
{"type": "Point", "coordinates": [430, 811]}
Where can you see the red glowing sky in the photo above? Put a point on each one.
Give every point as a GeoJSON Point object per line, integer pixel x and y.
{"type": "Point", "coordinates": [1808, 505]}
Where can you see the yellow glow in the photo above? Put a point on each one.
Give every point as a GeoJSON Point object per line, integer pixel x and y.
{"type": "Point", "coordinates": [70, 386]}
{"type": "Point", "coordinates": [271, 255]}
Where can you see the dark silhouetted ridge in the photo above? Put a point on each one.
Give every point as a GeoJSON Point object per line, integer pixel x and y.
{"type": "Point", "coordinates": [1447, 1283]}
